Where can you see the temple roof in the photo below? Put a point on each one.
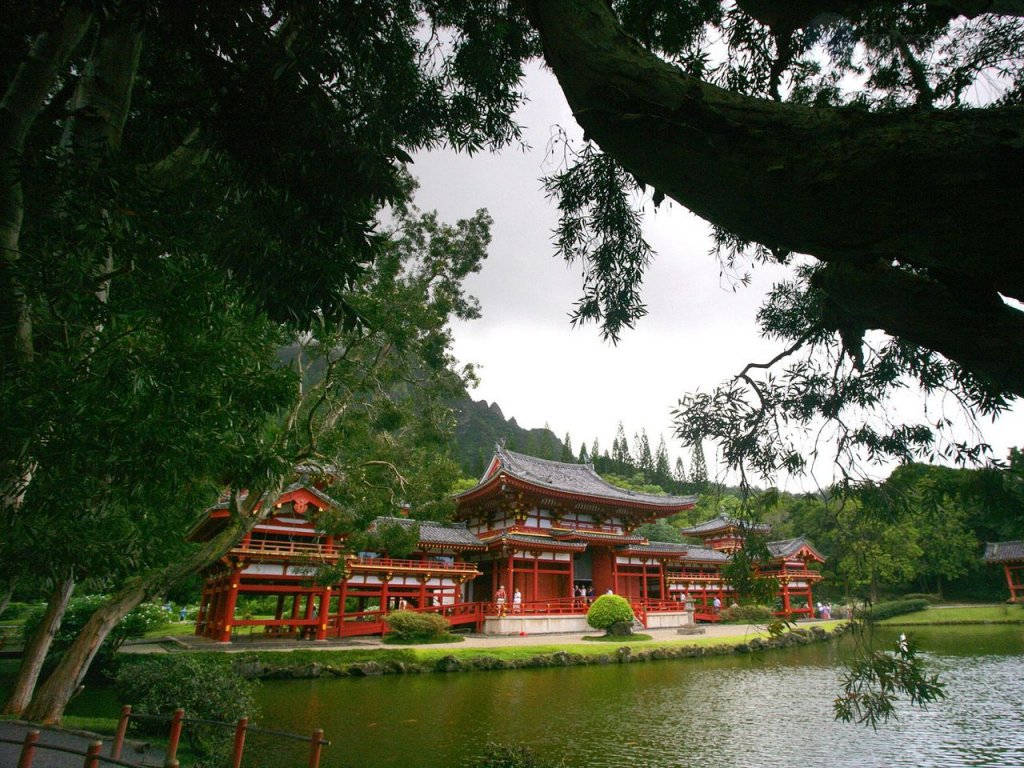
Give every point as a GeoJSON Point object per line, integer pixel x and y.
{"type": "Point", "coordinates": [1004, 551]}
{"type": "Point", "coordinates": [601, 537]}
{"type": "Point", "coordinates": [722, 523]}
{"type": "Point", "coordinates": [656, 549]}
{"type": "Point", "coordinates": [567, 478]}
{"type": "Point", "coordinates": [433, 534]}
{"type": "Point", "coordinates": [535, 542]}
{"type": "Point", "coordinates": [789, 547]}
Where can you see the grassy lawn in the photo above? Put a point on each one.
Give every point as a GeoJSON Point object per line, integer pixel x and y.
{"type": "Point", "coordinates": [967, 614]}
{"type": "Point", "coordinates": [428, 655]}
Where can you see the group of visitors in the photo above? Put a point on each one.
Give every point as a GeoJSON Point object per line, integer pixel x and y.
{"type": "Point", "coordinates": [823, 610]}
{"type": "Point", "coordinates": [501, 599]}
{"type": "Point", "coordinates": [583, 594]}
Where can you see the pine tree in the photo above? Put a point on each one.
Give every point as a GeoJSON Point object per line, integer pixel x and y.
{"type": "Point", "coordinates": [644, 458]}
{"type": "Point", "coordinates": [698, 468]}
{"type": "Point", "coordinates": [662, 470]}
{"type": "Point", "coordinates": [680, 472]}
{"type": "Point", "coordinates": [595, 450]}
{"type": "Point", "coordinates": [567, 454]}
{"type": "Point", "coordinates": [584, 457]}
{"type": "Point", "coordinates": [620, 452]}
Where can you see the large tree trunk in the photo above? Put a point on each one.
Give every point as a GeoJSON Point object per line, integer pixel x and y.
{"type": "Point", "coordinates": [932, 189]}
{"type": "Point", "coordinates": [51, 699]}
{"type": "Point", "coordinates": [38, 646]}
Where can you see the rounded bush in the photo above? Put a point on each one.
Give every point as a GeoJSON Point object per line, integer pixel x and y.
{"type": "Point", "coordinates": [415, 624]}
{"type": "Point", "coordinates": [608, 611]}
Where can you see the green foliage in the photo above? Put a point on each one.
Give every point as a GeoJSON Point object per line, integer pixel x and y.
{"type": "Point", "coordinates": [747, 614]}
{"type": "Point", "coordinates": [875, 681]}
{"type": "Point", "coordinates": [205, 690]}
{"type": "Point", "coordinates": [411, 626]}
{"type": "Point", "coordinates": [509, 756]}
{"type": "Point", "coordinates": [148, 617]}
{"type": "Point", "coordinates": [608, 611]}
{"type": "Point", "coordinates": [894, 608]}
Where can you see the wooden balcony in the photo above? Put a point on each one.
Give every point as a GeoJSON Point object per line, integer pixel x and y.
{"type": "Point", "coordinates": [394, 565]}
{"type": "Point", "coordinates": [286, 550]}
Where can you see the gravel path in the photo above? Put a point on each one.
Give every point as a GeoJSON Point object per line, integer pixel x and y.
{"type": "Point", "coordinates": [134, 752]}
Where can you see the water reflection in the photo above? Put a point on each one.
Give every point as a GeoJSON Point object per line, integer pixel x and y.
{"type": "Point", "coordinates": [768, 710]}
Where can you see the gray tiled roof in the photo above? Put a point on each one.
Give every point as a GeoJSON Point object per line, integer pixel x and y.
{"type": "Point", "coordinates": [788, 547]}
{"type": "Point", "coordinates": [578, 478]}
{"type": "Point", "coordinates": [436, 534]}
{"type": "Point", "coordinates": [656, 547]}
{"type": "Point", "coordinates": [538, 541]}
{"type": "Point", "coordinates": [723, 521]}
{"type": "Point", "coordinates": [1004, 551]}
{"type": "Point", "coordinates": [705, 555]}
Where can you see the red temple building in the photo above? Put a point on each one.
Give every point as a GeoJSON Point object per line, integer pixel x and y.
{"type": "Point", "coordinates": [281, 555]}
{"type": "Point", "coordinates": [1009, 554]}
{"type": "Point", "coordinates": [790, 563]}
{"type": "Point", "coordinates": [551, 534]}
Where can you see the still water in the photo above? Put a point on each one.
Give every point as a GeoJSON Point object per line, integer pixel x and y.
{"type": "Point", "coordinates": [773, 709]}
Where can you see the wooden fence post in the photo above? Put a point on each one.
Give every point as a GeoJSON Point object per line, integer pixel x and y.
{"type": "Point", "coordinates": [314, 748]}
{"type": "Point", "coordinates": [92, 755]}
{"type": "Point", "coordinates": [239, 745]}
{"type": "Point", "coordinates": [122, 728]}
{"type": "Point", "coordinates": [173, 738]}
{"type": "Point", "coordinates": [28, 749]}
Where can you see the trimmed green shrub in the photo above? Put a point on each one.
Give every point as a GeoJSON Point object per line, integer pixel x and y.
{"type": "Point", "coordinates": [206, 690]}
{"type": "Point", "coordinates": [409, 625]}
{"type": "Point", "coordinates": [931, 598]}
{"type": "Point", "coordinates": [508, 756]}
{"type": "Point", "coordinates": [893, 608]}
{"type": "Point", "coordinates": [747, 614]}
{"type": "Point", "coordinates": [611, 613]}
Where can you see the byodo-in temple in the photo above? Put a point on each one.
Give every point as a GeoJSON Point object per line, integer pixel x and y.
{"type": "Point", "coordinates": [556, 533]}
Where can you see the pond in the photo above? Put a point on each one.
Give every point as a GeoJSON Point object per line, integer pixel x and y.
{"type": "Point", "coordinates": [772, 709]}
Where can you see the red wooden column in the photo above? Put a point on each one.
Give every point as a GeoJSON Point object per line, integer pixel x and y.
{"type": "Point", "coordinates": [536, 576]}
{"type": "Point", "coordinates": [784, 588]}
{"type": "Point", "coordinates": [341, 606]}
{"type": "Point", "coordinates": [323, 613]}
{"type": "Point", "coordinates": [230, 600]}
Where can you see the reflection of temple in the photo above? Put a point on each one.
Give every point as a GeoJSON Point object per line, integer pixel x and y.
{"type": "Point", "coordinates": [1009, 554]}
{"type": "Point", "coordinates": [547, 530]}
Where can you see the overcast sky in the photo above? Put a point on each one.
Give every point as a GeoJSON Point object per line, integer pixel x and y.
{"type": "Point", "coordinates": [698, 332]}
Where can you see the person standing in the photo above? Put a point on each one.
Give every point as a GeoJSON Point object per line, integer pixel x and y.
{"type": "Point", "coordinates": [500, 598]}
{"type": "Point", "coordinates": [517, 601]}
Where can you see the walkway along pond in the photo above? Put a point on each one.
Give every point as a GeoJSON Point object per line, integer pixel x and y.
{"type": "Point", "coordinates": [769, 709]}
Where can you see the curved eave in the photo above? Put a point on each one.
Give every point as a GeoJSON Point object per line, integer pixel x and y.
{"type": "Point", "coordinates": [492, 487]}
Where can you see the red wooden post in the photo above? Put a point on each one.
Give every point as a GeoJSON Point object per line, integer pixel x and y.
{"type": "Point", "coordinates": [92, 755]}
{"type": "Point", "coordinates": [170, 761]}
{"type": "Point", "coordinates": [122, 727]}
{"type": "Point", "coordinates": [314, 748]}
{"type": "Point", "coordinates": [28, 749]}
{"type": "Point", "coordinates": [239, 746]}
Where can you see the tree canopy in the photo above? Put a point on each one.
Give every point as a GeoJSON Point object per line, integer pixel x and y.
{"type": "Point", "coordinates": [876, 146]}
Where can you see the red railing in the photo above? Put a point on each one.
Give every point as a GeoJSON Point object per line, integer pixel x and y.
{"type": "Point", "coordinates": [390, 563]}
{"type": "Point", "coordinates": [286, 549]}
{"type": "Point", "coordinates": [93, 757]}
{"type": "Point", "coordinates": [555, 606]}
